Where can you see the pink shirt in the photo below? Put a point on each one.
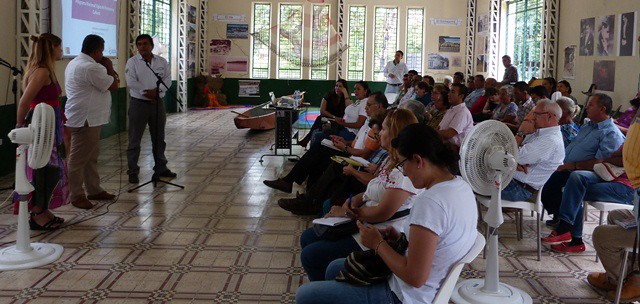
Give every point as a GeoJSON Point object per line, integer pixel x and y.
{"type": "Point", "coordinates": [459, 118]}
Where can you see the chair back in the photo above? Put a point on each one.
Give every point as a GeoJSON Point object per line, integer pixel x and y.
{"type": "Point", "coordinates": [449, 283]}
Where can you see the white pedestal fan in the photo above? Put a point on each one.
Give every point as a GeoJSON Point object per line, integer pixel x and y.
{"type": "Point", "coordinates": [487, 162]}
{"type": "Point", "coordinates": [38, 139]}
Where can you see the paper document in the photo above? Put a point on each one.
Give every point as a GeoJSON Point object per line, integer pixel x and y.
{"type": "Point", "coordinates": [332, 221]}
{"type": "Point", "coordinates": [361, 160]}
{"type": "Point", "coordinates": [328, 143]}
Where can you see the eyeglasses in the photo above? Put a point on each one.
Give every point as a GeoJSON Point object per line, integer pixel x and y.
{"type": "Point", "coordinates": [542, 113]}
{"type": "Point", "coordinates": [400, 165]}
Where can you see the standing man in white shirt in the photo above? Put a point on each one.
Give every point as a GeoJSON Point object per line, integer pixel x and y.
{"type": "Point", "coordinates": [89, 78]}
{"type": "Point", "coordinates": [146, 107]}
{"type": "Point", "coordinates": [393, 72]}
{"type": "Point", "coordinates": [540, 152]}
{"type": "Point", "coordinates": [457, 120]}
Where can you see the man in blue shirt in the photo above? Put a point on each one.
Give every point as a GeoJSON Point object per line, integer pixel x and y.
{"type": "Point", "coordinates": [598, 139]}
{"type": "Point", "coordinates": [472, 98]}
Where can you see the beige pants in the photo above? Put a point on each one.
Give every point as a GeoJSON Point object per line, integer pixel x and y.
{"type": "Point", "coordinates": [610, 242]}
{"type": "Point", "coordinates": [83, 162]}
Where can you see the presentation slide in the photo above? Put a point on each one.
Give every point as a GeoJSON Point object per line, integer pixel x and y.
{"type": "Point", "coordinates": [79, 18]}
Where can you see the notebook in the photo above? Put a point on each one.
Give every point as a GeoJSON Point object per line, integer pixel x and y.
{"type": "Point", "coordinates": [332, 221]}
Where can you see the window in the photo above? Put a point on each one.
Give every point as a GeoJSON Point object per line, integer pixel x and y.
{"type": "Point", "coordinates": [524, 36]}
{"type": "Point", "coordinates": [413, 52]}
{"type": "Point", "coordinates": [355, 52]}
{"type": "Point", "coordinates": [261, 40]}
{"type": "Point", "coordinates": [155, 20]}
{"type": "Point", "coordinates": [320, 42]}
{"type": "Point", "coordinates": [290, 42]}
{"type": "Point", "coordinates": [385, 39]}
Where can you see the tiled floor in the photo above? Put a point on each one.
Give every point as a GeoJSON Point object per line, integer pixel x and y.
{"type": "Point", "coordinates": [222, 239]}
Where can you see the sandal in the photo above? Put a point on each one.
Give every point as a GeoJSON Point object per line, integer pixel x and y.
{"type": "Point", "coordinates": [53, 224]}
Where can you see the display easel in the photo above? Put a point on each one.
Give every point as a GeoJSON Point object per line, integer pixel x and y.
{"type": "Point", "coordinates": [284, 132]}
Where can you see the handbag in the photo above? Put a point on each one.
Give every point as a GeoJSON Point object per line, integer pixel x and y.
{"type": "Point", "coordinates": [334, 233]}
{"type": "Point", "coordinates": [363, 268]}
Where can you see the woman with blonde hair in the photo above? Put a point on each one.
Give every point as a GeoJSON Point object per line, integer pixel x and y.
{"type": "Point", "coordinates": [40, 85]}
{"type": "Point", "coordinates": [387, 195]}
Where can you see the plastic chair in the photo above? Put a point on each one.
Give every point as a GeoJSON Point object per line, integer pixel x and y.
{"type": "Point", "coordinates": [449, 283]}
{"type": "Point", "coordinates": [602, 207]}
{"type": "Point", "coordinates": [533, 205]}
{"type": "Point", "coordinates": [623, 270]}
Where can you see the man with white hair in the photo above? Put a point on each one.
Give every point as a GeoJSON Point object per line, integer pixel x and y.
{"type": "Point", "coordinates": [540, 152]}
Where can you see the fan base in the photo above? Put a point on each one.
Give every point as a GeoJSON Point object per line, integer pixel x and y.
{"type": "Point", "coordinates": [41, 254]}
{"type": "Point", "coordinates": [470, 291]}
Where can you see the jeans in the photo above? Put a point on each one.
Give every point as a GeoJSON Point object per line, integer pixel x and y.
{"type": "Point", "coordinates": [587, 186]}
{"type": "Point", "coordinates": [515, 192]}
{"type": "Point", "coordinates": [317, 253]}
{"type": "Point", "coordinates": [331, 291]}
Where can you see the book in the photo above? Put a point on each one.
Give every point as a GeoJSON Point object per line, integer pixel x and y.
{"type": "Point", "coordinates": [364, 162]}
{"type": "Point", "coordinates": [328, 143]}
{"type": "Point", "coordinates": [346, 161]}
{"type": "Point", "coordinates": [332, 221]}
{"type": "Point", "coordinates": [627, 223]}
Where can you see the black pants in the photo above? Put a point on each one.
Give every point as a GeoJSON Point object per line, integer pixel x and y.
{"type": "Point", "coordinates": [552, 191]}
{"type": "Point", "coordinates": [311, 165]}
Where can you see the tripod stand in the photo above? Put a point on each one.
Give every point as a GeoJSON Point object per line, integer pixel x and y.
{"type": "Point", "coordinates": [155, 178]}
{"type": "Point", "coordinates": [15, 71]}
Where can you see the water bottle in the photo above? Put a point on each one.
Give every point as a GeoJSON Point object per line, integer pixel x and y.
{"type": "Point", "coordinates": [296, 98]}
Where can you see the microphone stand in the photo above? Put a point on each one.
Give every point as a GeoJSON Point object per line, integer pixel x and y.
{"type": "Point", "coordinates": [15, 71]}
{"type": "Point", "coordinates": [155, 178]}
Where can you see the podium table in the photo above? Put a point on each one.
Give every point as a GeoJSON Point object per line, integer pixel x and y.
{"type": "Point", "coordinates": [284, 132]}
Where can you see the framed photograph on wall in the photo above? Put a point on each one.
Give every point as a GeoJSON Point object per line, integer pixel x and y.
{"type": "Point", "coordinates": [604, 72]}
{"type": "Point", "coordinates": [604, 45]}
{"type": "Point", "coordinates": [587, 27]}
{"type": "Point", "coordinates": [569, 67]}
{"type": "Point", "coordinates": [626, 33]}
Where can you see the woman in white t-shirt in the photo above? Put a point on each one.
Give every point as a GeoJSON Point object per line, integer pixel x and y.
{"type": "Point", "coordinates": [389, 192]}
{"type": "Point", "coordinates": [440, 230]}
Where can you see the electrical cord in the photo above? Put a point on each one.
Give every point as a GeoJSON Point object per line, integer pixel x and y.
{"type": "Point", "coordinates": [45, 233]}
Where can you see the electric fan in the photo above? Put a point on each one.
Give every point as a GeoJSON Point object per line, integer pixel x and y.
{"type": "Point", "coordinates": [38, 139]}
{"type": "Point", "coordinates": [487, 162]}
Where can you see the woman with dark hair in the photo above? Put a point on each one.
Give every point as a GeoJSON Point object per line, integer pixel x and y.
{"type": "Point", "coordinates": [40, 85]}
{"type": "Point", "coordinates": [550, 84]}
{"type": "Point", "coordinates": [563, 89]}
{"type": "Point", "coordinates": [441, 229]}
{"type": "Point", "coordinates": [387, 193]}
{"type": "Point", "coordinates": [440, 105]}
{"type": "Point", "coordinates": [332, 106]}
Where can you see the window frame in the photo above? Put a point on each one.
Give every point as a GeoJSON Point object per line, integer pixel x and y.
{"type": "Point", "coordinates": [397, 38]}
{"type": "Point", "coordinates": [421, 68]}
{"type": "Point", "coordinates": [153, 23]}
{"type": "Point", "coordinates": [312, 40]}
{"type": "Point", "coordinates": [253, 40]}
{"type": "Point", "coordinates": [279, 60]}
{"type": "Point", "coordinates": [364, 44]}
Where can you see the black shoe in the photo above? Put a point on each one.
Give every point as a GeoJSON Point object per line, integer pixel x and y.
{"type": "Point", "coordinates": [553, 223]}
{"type": "Point", "coordinates": [133, 179]}
{"type": "Point", "coordinates": [166, 173]}
{"type": "Point", "coordinates": [279, 184]}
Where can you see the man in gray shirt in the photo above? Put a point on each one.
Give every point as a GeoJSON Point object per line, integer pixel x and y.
{"type": "Point", "coordinates": [510, 71]}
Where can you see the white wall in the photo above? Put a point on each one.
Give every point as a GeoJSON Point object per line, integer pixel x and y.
{"type": "Point", "coordinates": [8, 49]}
{"type": "Point", "coordinates": [433, 9]}
{"type": "Point", "coordinates": [627, 68]}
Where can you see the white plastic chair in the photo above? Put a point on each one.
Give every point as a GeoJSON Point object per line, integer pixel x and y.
{"type": "Point", "coordinates": [602, 207]}
{"type": "Point", "coordinates": [533, 205]}
{"type": "Point", "coordinates": [623, 271]}
{"type": "Point", "coordinates": [449, 283]}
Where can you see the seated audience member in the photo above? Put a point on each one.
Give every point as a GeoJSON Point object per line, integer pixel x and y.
{"type": "Point", "coordinates": [417, 108]}
{"type": "Point", "coordinates": [489, 101]}
{"type": "Point", "coordinates": [448, 80]}
{"type": "Point", "coordinates": [458, 77]}
{"type": "Point", "coordinates": [550, 84]}
{"type": "Point", "coordinates": [337, 181]}
{"type": "Point", "coordinates": [586, 185]}
{"type": "Point", "coordinates": [316, 160]}
{"type": "Point", "coordinates": [610, 241]}
{"type": "Point", "coordinates": [524, 101]}
{"type": "Point", "coordinates": [354, 117]}
{"type": "Point", "coordinates": [411, 93]}
{"type": "Point", "coordinates": [441, 229]}
{"type": "Point", "coordinates": [624, 121]}
{"type": "Point", "coordinates": [507, 109]}
{"type": "Point", "coordinates": [540, 152]}
{"type": "Point", "coordinates": [471, 85]}
{"type": "Point", "coordinates": [474, 96]}
{"type": "Point", "coordinates": [564, 89]}
{"type": "Point", "coordinates": [332, 106]}
{"type": "Point", "coordinates": [440, 105]}
{"type": "Point", "coordinates": [406, 84]}
{"type": "Point", "coordinates": [597, 139]}
{"type": "Point", "coordinates": [490, 83]}
{"type": "Point", "coordinates": [389, 192]}
{"type": "Point", "coordinates": [538, 92]}
{"type": "Point", "coordinates": [429, 80]}
{"type": "Point", "coordinates": [457, 121]}
{"type": "Point", "coordinates": [568, 128]}
{"type": "Point", "coordinates": [423, 93]}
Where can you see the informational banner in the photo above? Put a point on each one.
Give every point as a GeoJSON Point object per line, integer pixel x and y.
{"type": "Point", "coordinates": [249, 88]}
{"type": "Point", "coordinates": [445, 22]}
{"type": "Point", "coordinates": [229, 18]}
